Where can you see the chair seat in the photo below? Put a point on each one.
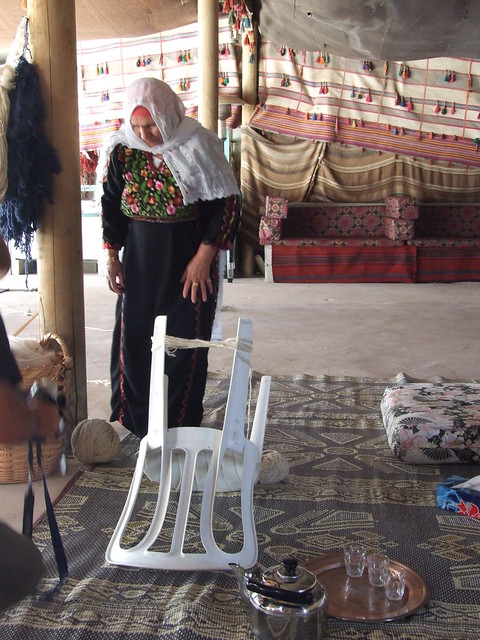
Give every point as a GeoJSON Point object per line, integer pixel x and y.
{"type": "Point", "coordinates": [433, 423]}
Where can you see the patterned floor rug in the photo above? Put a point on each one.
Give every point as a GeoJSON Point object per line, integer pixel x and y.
{"type": "Point", "coordinates": [344, 484]}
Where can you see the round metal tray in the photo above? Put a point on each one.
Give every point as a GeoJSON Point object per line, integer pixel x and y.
{"type": "Point", "coordinates": [356, 599]}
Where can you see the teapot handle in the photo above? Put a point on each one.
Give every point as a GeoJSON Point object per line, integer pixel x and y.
{"type": "Point", "coordinates": [280, 594]}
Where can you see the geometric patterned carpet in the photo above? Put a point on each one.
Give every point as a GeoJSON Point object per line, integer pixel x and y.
{"type": "Point", "coordinates": [344, 484]}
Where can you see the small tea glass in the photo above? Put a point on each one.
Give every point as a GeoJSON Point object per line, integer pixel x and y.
{"type": "Point", "coordinates": [354, 555]}
{"type": "Point", "coordinates": [394, 579]}
{"type": "Point", "coordinates": [377, 564]}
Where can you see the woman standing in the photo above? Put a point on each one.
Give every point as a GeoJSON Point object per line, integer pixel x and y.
{"type": "Point", "coordinates": [170, 201]}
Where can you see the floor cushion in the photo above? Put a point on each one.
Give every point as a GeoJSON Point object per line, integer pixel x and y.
{"type": "Point", "coordinates": [432, 423]}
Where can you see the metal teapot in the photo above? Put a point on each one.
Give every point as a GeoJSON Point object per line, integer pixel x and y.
{"type": "Point", "coordinates": [286, 602]}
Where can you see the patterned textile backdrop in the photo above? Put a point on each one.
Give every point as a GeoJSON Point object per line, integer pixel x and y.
{"type": "Point", "coordinates": [424, 108]}
{"type": "Point", "coordinates": [106, 67]}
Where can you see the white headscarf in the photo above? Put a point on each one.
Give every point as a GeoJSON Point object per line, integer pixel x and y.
{"type": "Point", "coordinates": [193, 153]}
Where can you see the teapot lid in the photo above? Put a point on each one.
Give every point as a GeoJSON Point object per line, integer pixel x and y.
{"type": "Point", "coordinates": [294, 578]}
{"type": "Point", "coordinates": [286, 582]}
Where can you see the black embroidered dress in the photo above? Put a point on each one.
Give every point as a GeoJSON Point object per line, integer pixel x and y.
{"type": "Point", "coordinates": [143, 213]}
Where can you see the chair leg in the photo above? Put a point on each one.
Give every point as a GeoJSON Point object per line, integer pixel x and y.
{"type": "Point", "coordinates": [260, 418]}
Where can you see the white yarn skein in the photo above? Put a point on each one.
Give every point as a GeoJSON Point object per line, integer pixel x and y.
{"type": "Point", "coordinates": [273, 468]}
{"type": "Point", "coordinates": [95, 441]}
{"type": "Point", "coordinates": [7, 75]}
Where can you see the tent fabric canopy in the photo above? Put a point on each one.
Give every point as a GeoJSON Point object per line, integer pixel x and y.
{"type": "Point", "coordinates": [377, 29]}
{"type": "Point", "coordinates": [105, 19]}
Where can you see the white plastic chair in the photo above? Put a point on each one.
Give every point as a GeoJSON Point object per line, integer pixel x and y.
{"type": "Point", "coordinates": [227, 455]}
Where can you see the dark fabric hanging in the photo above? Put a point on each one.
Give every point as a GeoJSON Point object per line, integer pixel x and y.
{"type": "Point", "coordinates": [31, 161]}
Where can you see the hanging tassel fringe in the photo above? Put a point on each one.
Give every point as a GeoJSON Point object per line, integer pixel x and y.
{"type": "Point", "coordinates": [31, 161]}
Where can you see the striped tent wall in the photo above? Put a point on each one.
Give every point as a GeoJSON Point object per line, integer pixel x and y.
{"type": "Point", "coordinates": [423, 108]}
{"type": "Point", "coordinates": [302, 170]}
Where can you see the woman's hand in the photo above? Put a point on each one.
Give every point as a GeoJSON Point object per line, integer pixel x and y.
{"type": "Point", "coordinates": [196, 277]}
{"type": "Point", "coordinates": [115, 279]}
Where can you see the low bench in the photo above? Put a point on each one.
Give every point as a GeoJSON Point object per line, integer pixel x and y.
{"type": "Point", "coordinates": [447, 242]}
{"type": "Point", "coordinates": [395, 241]}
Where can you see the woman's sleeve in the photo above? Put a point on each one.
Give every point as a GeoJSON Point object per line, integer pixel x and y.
{"type": "Point", "coordinates": [220, 220]}
{"type": "Point", "coordinates": [114, 223]}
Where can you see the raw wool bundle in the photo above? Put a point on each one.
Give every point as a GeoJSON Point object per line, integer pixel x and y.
{"type": "Point", "coordinates": [31, 161]}
{"type": "Point", "coordinates": [37, 361]}
{"type": "Point", "coordinates": [7, 75]}
{"type": "Point", "coordinates": [29, 353]}
{"type": "Point", "coordinates": [95, 441]}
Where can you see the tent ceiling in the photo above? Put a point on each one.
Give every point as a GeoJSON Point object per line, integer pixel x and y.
{"type": "Point", "coordinates": [372, 29]}
{"type": "Point", "coordinates": [106, 19]}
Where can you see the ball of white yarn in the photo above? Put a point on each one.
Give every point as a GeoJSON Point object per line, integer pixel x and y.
{"type": "Point", "coordinates": [95, 441]}
{"type": "Point", "coordinates": [273, 468]}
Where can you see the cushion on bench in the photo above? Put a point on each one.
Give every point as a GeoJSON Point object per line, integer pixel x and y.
{"type": "Point", "coordinates": [433, 423]}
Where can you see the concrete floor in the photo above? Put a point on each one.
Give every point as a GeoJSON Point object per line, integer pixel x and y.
{"type": "Point", "coordinates": [372, 330]}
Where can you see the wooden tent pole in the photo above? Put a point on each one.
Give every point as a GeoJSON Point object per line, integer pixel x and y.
{"type": "Point", "coordinates": [249, 94]}
{"type": "Point", "coordinates": [60, 266]}
{"type": "Point", "coordinates": [208, 63]}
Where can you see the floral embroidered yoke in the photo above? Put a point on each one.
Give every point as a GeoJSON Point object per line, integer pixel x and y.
{"type": "Point", "coordinates": [134, 189]}
{"type": "Point", "coordinates": [151, 192]}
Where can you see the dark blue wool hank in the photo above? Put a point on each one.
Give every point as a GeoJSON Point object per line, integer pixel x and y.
{"type": "Point", "coordinates": [31, 161]}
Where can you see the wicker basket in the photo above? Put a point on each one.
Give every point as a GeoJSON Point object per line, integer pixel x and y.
{"type": "Point", "coordinates": [13, 457]}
